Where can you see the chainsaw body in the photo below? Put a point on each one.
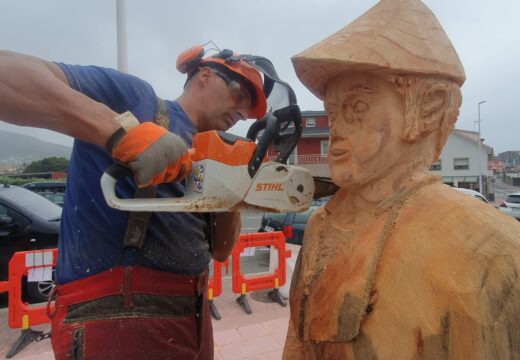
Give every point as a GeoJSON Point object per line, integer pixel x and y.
{"type": "Point", "coordinates": [220, 180]}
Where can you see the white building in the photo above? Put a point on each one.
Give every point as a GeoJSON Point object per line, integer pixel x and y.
{"type": "Point", "coordinates": [459, 161]}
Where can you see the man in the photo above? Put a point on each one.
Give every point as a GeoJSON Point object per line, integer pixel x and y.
{"type": "Point", "coordinates": [398, 265]}
{"type": "Point", "coordinates": [146, 301]}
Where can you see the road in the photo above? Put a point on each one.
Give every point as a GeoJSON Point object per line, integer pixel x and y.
{"type": "Point", "coordinates": [502, 190]}
{"type": "Point", "coordinates": [250, 222]}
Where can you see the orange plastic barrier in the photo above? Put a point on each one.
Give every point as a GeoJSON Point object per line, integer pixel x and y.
{"type": "Point", "coordinates": [4, 285]}
{"type": "Point", "coordinates": [20, 315]}
{"type": "Point", "coordinates": [215, 283]}
{"type": "Point", "coordinates": [243, 284]}
{"type": "Point", "coordinates": [215, 286]}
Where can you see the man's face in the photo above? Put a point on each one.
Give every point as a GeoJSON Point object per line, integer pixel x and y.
{"type": "Point", "coordinates": [229, 102]}
{"type": "Point", "coordinates": [366, 116]}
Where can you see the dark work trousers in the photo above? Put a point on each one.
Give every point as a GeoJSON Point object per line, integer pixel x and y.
{"type": "Point", "coordinates": [133, 313]}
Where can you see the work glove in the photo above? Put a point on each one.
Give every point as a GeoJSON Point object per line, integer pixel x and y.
{"type": "Point", "coordinates": [154, 154]}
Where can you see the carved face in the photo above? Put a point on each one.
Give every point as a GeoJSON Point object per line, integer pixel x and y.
{"type": "Point", "coordinates": [366, 115]}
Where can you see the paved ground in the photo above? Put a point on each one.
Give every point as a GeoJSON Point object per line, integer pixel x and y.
{"type": "Point", "coordinates": [258, 336]}
{"type": "Point", "coordinates": [502, 190]}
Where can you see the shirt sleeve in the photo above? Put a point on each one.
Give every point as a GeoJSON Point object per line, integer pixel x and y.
{"type": "Point", "coordinates": [119, 91]}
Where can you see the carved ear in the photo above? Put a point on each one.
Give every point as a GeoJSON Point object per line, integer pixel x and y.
{"type": "Point", "coordinates": [436, 99]}
{"type": "Point", "coordinates": [433, 107]}
{"type": "Point", "coordinates": [426, 104]}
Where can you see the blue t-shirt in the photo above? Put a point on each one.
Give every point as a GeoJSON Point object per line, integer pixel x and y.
{"type": "Point", "coordinates": [91, 232]}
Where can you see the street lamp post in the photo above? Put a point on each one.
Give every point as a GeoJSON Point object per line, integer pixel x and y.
{"type": "Point", "coordinates": [479, 150]}
{"type": "Point", "coordinates": [122, 52]}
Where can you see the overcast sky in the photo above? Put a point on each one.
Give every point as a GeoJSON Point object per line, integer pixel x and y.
{"type": "Point", "coordinates": [486, 35]}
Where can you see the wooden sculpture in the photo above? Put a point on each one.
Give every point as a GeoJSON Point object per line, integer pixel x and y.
{"type": "Point", "coordinates": [398, 265]}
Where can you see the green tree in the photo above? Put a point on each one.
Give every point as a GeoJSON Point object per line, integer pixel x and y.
{"type": "Point", "coordinates": [47, 164]}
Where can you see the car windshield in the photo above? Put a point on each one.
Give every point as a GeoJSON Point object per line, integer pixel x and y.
{"type": "Point", "coordinates": [32, 202]}
{"type": "Point", "coordinates": [275, 216]}
{"type": "Point", "coordinates": [514, 199]}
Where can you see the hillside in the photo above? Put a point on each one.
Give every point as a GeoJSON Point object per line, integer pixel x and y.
{"type": "Point", "coordinates": [25, 149]}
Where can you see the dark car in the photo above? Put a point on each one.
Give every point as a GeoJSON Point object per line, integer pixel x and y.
{"type": "Point", "coordinates": [292, 224]}
{"type": "Point", "coordinates": [52, 190]}
{"type": "Point", "coordinates": [28, 221]}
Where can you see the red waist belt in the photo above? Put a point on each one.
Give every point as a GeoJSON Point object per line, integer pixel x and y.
{"type": "Point", "coordinates": [130, 280]}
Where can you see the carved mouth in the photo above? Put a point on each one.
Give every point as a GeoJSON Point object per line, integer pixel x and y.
{"type": "Point", "coordinates": [339, 153]}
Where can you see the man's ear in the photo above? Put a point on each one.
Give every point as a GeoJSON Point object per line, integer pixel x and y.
{"type": "Point", "coordinates": [424, 114]}
{"type": "Point", "coordinates": [204, 76]}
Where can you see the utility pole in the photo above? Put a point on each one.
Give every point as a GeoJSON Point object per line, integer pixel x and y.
{"type": "Point", "coordinates": [480, 150]}
{"type": "Point", "coordinates": [122, 53]}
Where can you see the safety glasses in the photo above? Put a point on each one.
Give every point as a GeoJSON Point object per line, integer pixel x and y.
{"type": "Point", "coordinates": [238, 91]}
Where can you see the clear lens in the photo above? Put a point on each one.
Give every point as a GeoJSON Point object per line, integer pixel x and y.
{"type": "Point", "coordinates": [238, 92]}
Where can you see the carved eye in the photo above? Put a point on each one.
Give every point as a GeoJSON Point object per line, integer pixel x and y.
{"type": "Point", "coordinates": [360, 107]}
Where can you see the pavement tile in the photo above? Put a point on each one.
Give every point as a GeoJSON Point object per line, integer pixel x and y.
{"type": "Point", "coordinates": [227, 337]}
{"type": "Point", "coordinates": [263, 344]}
{"type": "Point", "coordinates": [280, 337]}
{"type": "Point", "coordinates": [252, 331]}
{"type": "Point", "coordinates": [276, 325]}
{"type": "Point", "coordinates": [266, 315]}
{"type": "Point", "coordinates": [273, 355]}
{"type": "Point", "coordinates": [236, 351]}
{"type": "Point", "coordinates": [216, 354]}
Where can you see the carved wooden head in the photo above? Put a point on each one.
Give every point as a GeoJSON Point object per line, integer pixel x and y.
{"type": "Point", "coordinates": [378, 121]}
{"type": "Point", "coordinates": [391, 85]}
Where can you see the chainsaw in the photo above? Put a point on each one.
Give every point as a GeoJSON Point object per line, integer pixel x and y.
{"type": "Point", "coordinates": [233, 173]}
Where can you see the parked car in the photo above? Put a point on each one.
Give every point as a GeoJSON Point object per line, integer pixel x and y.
{"type": "Point", "coordinates": [292, 224]}
{"type": "Point", "coordinates": [28, 221]}
{"type": "Point", "coordinates": [473, 193]}
{"type": "Point", "coordinates": [52, 190]}
{"type": "Point", "coordinates": [511, 206]}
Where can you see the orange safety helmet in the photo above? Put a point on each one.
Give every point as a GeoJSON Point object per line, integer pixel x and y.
{"type": "Point", "coordinates": [191, 59]}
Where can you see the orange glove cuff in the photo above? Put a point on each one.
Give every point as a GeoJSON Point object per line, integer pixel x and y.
{"type": "Point", "coordinates": [136, 140]}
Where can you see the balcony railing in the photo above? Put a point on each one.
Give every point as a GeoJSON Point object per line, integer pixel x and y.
{"type": "Point", "coordinates": [306, 159]}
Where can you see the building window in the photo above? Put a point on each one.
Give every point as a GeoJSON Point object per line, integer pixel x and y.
{"type": "Point", "coordinates": [461, 164]}
{"type": "Point", "coordinates": [436, 166]}
{"type": "Point", "coordinates": [310, 122]}
{"type": "Point", "coordinates": [323, 147]}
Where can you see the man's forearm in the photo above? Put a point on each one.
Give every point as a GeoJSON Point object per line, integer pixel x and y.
{"type": "Point", "coordinates": [36, 93]}
{"type": "Point", "coordinates": [226, 231]}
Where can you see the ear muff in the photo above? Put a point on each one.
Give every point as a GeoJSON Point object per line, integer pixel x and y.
{"type": "Point", "coordinates": [189, 59]}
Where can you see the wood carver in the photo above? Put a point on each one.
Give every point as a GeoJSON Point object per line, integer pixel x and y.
{"type": "Point", "coordinates": [398, 265]}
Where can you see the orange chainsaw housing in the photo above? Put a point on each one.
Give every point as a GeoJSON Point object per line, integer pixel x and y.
{"type": "Point", "coordinates": [211, 145]}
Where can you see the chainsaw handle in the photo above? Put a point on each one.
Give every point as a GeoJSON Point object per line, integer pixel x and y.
{"type": "Point", "coordinates": [271, 127]}
{"type": "Point", "coordinates": [283, 143]}
{"type": "Point", "coordinates": [118, 171]}
{"type": "Point", "coordinates": [109, 180]}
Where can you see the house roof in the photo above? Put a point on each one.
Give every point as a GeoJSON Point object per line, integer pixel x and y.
{"type": "Point", "coordinates": [314, 113]}
{"type": "Point", "coordinates": [312, 132]}
{"type": "Point", "coordinates": [472, 136]}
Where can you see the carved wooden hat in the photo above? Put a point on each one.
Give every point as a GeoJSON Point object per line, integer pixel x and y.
{"type": "Point", "coordinates": [395, 36]}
